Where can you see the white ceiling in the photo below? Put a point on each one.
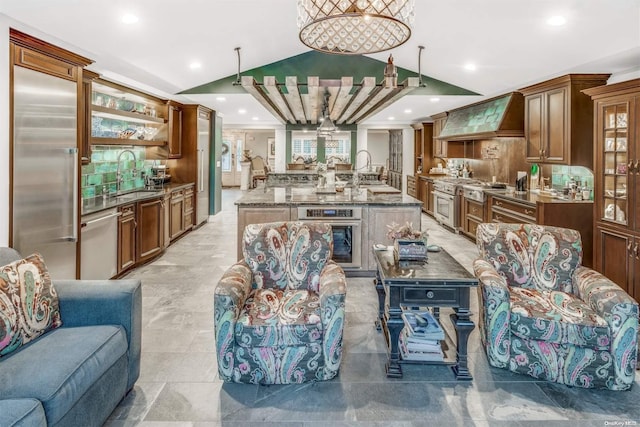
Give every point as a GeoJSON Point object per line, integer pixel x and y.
{"type": "Point", "coordinates": [508, 40]}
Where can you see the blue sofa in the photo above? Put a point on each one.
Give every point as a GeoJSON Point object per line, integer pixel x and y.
{"type": "Point", "coordinates": [77, 374]}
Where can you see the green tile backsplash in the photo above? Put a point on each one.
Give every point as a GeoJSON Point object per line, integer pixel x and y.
{"type": "Point", "coordinates": [101, 172]}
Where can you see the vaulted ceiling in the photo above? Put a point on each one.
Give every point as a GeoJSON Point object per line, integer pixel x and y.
{"type": "Point", "coordinates": [509, 42]}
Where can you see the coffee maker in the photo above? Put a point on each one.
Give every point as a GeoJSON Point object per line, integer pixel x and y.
{"type": "Point", "coordinates": [159, 176]}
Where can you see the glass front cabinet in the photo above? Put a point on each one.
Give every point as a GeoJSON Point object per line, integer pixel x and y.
{"type": "Point", "coordinates": [124, 116]}
{"type": "Point", "coordinates": [617, 183]}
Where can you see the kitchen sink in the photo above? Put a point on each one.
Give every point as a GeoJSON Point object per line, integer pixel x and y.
{"type": "Point", "coordinates": [137, 195]}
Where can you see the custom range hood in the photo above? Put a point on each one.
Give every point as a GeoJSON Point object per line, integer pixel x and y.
{"type": "Point", "coordinates": [502, 116]}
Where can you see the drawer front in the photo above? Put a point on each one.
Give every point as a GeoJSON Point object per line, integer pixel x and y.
{"type": "Point", "coordinates": [514, 207]}
{"type": "Point", "coordinates": [425, 295]}
{"type": "Point", "coordinates": [177, 194]}
{"type": "Point", "coordinates": [128, 210]}
{"type": "Point", "coordinates": [475, 209]}
{"type": "Point", "coordinates": [188, 203]}
{"type": "Point", "coordinates": [471, 227]}
{"type": "Point", "coordinates": [500, 216]}
{"type": "Point", "coordinates": [188, 192]}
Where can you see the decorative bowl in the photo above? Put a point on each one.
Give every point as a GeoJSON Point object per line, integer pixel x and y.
{"type": "Point", "coordinates": [127, 133]}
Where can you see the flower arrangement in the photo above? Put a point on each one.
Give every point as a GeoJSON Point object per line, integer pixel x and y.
{"type": "Point", "coordinates": [406, 231]}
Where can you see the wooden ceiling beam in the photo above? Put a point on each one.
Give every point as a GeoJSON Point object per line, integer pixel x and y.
{"type": "Point", "coordinates": [253, 88]}
{"type": "Point", "coordinates": [274, 94]}
{"type": "Point", "coordinates": [310, 100]}
{"type": "Point", "coordinates": [294, 100]}
{"type": "Point", "coordinates": [380, 102]}
{"type": "Point", "coordinates": [367, 86]}
{"type": "Point", "coordinates": [343, 98]}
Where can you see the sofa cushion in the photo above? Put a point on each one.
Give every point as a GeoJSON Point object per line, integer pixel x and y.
{"type": "Point", "coordinates": [28, 303]}
{"type": "Point", "coordinates": [273, 317]}
{"type": "Point", "coordinates": [22, 413]}
{"type": "Point", "coordinates": [558, 317]}
{"type": "Point", "coordinates": [59, 367]}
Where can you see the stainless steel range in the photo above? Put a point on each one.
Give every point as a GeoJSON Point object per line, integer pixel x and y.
{"type": "Point", "coordinates": [447, 199]}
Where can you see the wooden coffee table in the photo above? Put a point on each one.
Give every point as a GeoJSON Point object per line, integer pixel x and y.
{"type": "Point", "coordinates": [439, 282]}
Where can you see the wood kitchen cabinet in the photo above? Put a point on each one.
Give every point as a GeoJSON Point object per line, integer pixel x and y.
{"type": "Point", "coordinates": [175, 130]}
{"type": "Point", "coordinates": [394, 174]}
{"type": "Point", "coordinates": [558, 122]}
{"type": "Point", "coordinates": [617, 183]}
{"type": "Point", "coordinates": [150, 230]}
{"type": "Point", "coordinates": [411, 186]}
{"type": "Point", "coordinates": [439, 147]}
{"type": "Point", "coordinates": [421, 184]}
{"type": "Point", "coordinates": [127, 237]}
{"type": "Point", "coordinates": [166, 220]}
{"type": "Point", "coordinates": [177, 213]}
{"type": "Point", "coordinates": [189, 203]}
{"type": "Point", "coordinates": [473, 213]}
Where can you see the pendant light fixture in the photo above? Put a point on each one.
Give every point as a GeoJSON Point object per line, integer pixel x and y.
{"type": "Point", "coordinates": [326, 128]}
{"type": "Point", "coordinates": [354, 27]}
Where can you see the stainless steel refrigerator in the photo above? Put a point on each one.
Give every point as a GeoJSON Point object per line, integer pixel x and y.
{"type": "Point", "coordinates": [45, 169]}
{"type": "Point", "coordinates": [202, 185]}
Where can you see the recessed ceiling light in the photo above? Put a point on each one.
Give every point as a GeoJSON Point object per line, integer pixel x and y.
{"type": "Point", "coordinates": [435, 99]}
{"type": "Point", "coordinates": [557, 20]}
{"type": "Point", "coordinates": [391, 118]}
{"type": "Point", "coordinates": [242, 111]}
{"type": "Point", "coordinates": [255, 118]}
{"type": "Point", "coordinates": [195, 65]}
{"type": "Point", "coordinates": [129, 18]}
{"type": "Point", "coordinates": [221, 99]}
{"type": "Point", "coordinates": [407, 111]}
{"type": "Point", "coordinates": [470, 66]}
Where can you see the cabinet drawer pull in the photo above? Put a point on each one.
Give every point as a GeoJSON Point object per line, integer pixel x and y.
{"type": "Point", "coordinates": [529, 212]}
{"type": "Point", "coordinates": [637, 166]}
{"type": "Point", "coordinates": [544, 153]}
{"type": "Point", "coordinates": [497, 202]}
{"type": "Point", "coordinates": [636, 251]}
{"type": "Point", "coordinates": [629, 248]}
{"type": "Point", "coordinates": [498, 217]}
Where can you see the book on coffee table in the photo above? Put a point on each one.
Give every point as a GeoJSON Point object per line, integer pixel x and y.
{"type": "Point", "coordinates": [419, 352]}
{"type": "Point", "coordinates": [422, 325]}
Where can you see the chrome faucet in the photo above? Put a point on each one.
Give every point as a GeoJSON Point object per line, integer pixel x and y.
{"type": "Point", "coordinates": [368, 158]}
{"type": "Point", "coordinates": [119, 177]}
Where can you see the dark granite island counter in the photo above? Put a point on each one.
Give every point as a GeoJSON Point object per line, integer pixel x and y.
{"type": "Point", "coordinates": [370, 209]}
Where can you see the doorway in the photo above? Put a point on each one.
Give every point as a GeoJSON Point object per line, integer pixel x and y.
{"type": "Point", "coordinates": [231, 156]}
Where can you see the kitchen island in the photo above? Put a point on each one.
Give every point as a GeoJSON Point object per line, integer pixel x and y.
{"type": "Point", "coordinates": [359, 216]}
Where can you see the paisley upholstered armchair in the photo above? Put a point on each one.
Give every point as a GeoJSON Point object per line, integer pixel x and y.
{"type": "Point", "coordinates": [279, 312]}
{"type": "Point", "coordinates": [545, 315]}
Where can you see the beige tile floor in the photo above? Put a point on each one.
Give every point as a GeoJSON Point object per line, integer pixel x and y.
{"type": "Point", "coordinates": [179, 387]}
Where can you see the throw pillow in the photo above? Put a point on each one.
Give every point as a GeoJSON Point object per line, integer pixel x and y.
{"type": "Point", "coordinates": [28, 303]}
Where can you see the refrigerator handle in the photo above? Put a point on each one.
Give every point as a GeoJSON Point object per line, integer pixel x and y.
{"type": "Point", "coordinates": [201, 171]}
{"type": "Point", "coordinates": [74, 236]}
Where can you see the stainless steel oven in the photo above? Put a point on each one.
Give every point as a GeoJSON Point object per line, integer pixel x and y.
{"type": "Point", "coordinates": [444, 208]}
{"type": "Point", "coordinates": [346, 224]}
{"type": "Point", "coordinates": [447, 200]}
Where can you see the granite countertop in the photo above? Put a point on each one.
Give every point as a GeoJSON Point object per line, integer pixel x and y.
{"type": "Point", "coordinates": [530, 198]}
{"type": "Point", "coordinates": [307, 195]}
{"type": "Point", "coordinates": [98, 204]}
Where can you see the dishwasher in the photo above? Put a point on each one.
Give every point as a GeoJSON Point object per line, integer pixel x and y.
{"type": "Point", "coordinates": [99, 253]}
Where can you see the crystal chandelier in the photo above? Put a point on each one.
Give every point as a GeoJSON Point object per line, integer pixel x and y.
{"type": "Point", "coordinates": [353, 27]}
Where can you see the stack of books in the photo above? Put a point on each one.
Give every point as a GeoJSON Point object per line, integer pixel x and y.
{"type": "Point", "coordinates": [420, 338]}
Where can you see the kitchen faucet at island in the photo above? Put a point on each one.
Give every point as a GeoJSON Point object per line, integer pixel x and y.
{"type": "Point", "coordinates": [368, 160]}
{"type": "Point", "coordinates": [119, 177]}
